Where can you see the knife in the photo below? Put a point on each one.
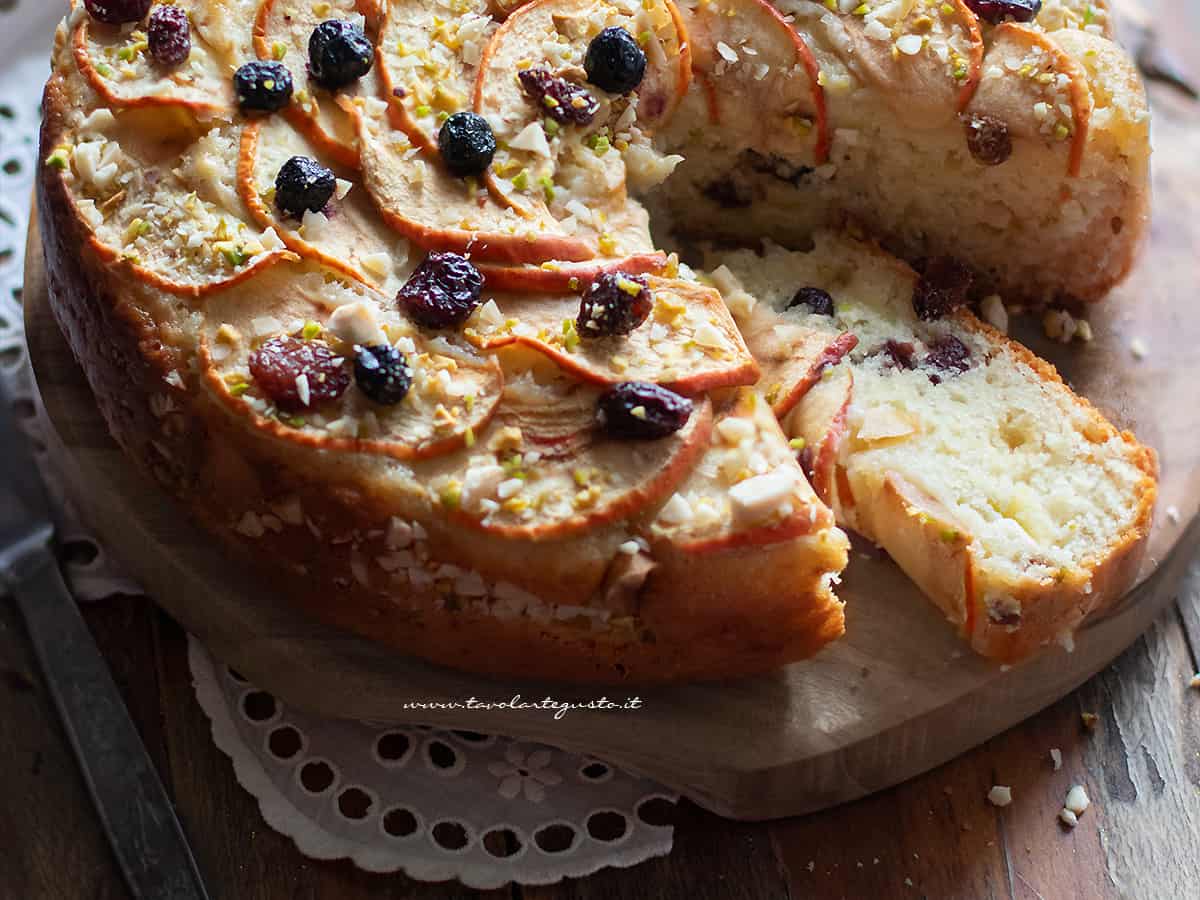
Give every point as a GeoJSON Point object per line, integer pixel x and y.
{"type": "Point", "coordinates": [134, 809]}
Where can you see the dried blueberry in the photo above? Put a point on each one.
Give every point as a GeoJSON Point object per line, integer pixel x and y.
{"type": "Point", "coordinates": [442, 291]}
{"type": "Point", "coordinates": [817, 301]}
{"type": "Point", "coordinates": [947, 354]}
{"type": "Point", "coordinates": [728, 193]}
{"type": "Point", "coordinates": [278, 364]}
{"type": "Point", "coordinates": [382, 373]}
{"type": "Point", "coordinates": [338, 54]}
{"type": "Point", "coordinates": [942, 288]}
{"type": "Point", "coordinates": [466, 143]}
{"type": "Point", "coordinates": [996, 11]}
{"type": "Point", "coordinates": [614, 61]}
{"type": "Point", "coordinates": [641, 411]}
{"type": "Point", "coordinates": [988, 139]}
{"type": "Point", "coordinates": [169, 36]}
{"type": "Point", "coordinates": [262, 86]}
{"type": "Point", "coordinates": [562, 100]}
{"type": "Point", "coordinates": [117, 12]}
{"type": "Point", "coordinates": [615, 303]}
{"type": "Point", "coordinates": [303, 184]}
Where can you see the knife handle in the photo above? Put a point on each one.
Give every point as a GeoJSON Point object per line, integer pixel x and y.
{"type": "Point", "coordinates": [138, 818]}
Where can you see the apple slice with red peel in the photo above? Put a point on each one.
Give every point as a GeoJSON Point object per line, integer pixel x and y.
{"type": "Point", "coordinates": [348, 236]}
{"type": "Point", "coordinates": [428, 54]}
{"type": "Point", "coordinates": [689, 342]}
{"type": "Point", "coordinates": [792, 351]}
{"type": "Point", "coordinates": [165, 217]}
{"type": "Point", "coordinates": [745, 524]}
{"type": "Point", "coordinates": [817, 424]}
{"type": "Point", "coordinates": [556, 161]}
{"type": "Point", "coordinates": [924, 59]}
{"type": "Point", "coordinates": [421, 200]}
{"type": "Point", "coordinates": [116, 63]}
{"type": "Point", "coordinates": [281, 32]}
{"type": "Point", "coordinates": [544, 468]}
{"type": "Point", "coordinates": [1035, 107]}
{"type": "Point", "coordinates": [747, 489]}
{"type": "Point", "coordinates": [552, 277]}
{"type": "Point", "coordinates": [453, 395]}
{"type": "Point", "coordinates": [760, 77]}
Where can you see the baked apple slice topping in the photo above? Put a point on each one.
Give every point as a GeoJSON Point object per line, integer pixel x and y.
{"type": "Point", "coordinates": [418, 197]}
{"type": "Point", "coordinates": [747, 488]}
{"type": "Point", "coordinates": [336, 366]}
{"type": "Point", "coordinates": [323, 45]}
{"type": "Point", "coordinates": [170, 218]}
{"type": "Point", "coordinates": [343, 232]}
{"type": "Point", "coordinates": [572, 89]}
{"type": "Point", "coordinates": [546, 467]}
{"type": "Point", "coordinates": [761, 78]}
{"type": "Point", "coordinates": [687, 341]}
{"type": "Point", "coordinates": [118, 61]}
{"type": "Point", "coordinates": [428, 55]}
{"type": "Point", "coordinates": [1047, 100]}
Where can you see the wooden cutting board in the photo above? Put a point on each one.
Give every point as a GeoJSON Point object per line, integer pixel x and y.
{"type": "Point", "coordinates": [897, 696]}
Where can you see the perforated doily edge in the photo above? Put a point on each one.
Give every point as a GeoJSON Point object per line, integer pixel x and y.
{"type": "Point", "coordinates": [316, 843]}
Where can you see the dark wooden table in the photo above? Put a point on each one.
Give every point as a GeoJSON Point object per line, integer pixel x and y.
{"type": "Point", "coordinates": [935, 836]}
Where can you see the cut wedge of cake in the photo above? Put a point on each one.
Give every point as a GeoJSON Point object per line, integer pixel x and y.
{"type": "Point", "coordinates": [1013, 503]}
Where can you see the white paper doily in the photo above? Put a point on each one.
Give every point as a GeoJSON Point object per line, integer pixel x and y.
{"type": "Point", "coordinates": [433, 804]}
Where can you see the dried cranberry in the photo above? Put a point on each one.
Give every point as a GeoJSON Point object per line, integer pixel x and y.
{"type": "Point", "coordinates": [817, 301]}
{"type": "Point", "coordinates": [117, 12]}
{"type": "Point", "coordinates": [281, 360]}
{"type": "Point", "coordinates": [988, 139]}
{"type": "Point", "coordinates": [899, 353]}
{"type": "Point", "coordinates": [948, 354]}
{"type": "Point", "coordinates": [442, 291]}
{"type": "Point", "coordinates": [168, 36]}
{"type": "Point", "coordinates": [996, 11]}
{"type": "Point", "coordinates": [615, 303]}
{"type": "Point", "coordinates": [942, 288]}
{"type": "Point", "coordinates": [614, 61]}
{"type": "Point", "coordinates": [641, 411]}
{"type": "Point", "coordinates": [563, 101]}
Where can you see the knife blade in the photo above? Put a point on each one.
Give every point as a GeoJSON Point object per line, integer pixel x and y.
{"type": "Point", "coordinates": [134, 809]}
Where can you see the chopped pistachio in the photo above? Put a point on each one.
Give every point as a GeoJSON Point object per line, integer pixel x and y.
{"type": "Point", "coordinates": [279, 50]}
{"type": "Point", "coordinates": [311, 330]}
{"type": "Point", "coordinates": [797, 443]}
{"type": "Point", "coordinates": [58, 158]}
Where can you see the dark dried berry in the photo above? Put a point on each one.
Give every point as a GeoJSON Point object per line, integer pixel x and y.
{"type": "Point", "coordinates": [117, 12]}
{"type": "Point", "coordinates": [899, 353]}
{"type": "Point", "coordinates": [947, 354]}
{"type": "Point", "coordinates": [728, 193]}
{"type": "Point", "coordinates": [169, 36]}
{"type": "Point", "coordinates": [262, 86]}
{"type": "Point", "coordinates": [442, 291]}
{"type": "Point", "coordinates": [641, 411]}
{"type": "Point", "coordinates": [382, 373]}
{"type": "Point", "coordinates": [614, 61]}
{"type": "Point", "coordinates": [279, 363]}
{"type": "Point", "coordinates": [338, 54]}
{"type": "Point", "coordinates": [942, 288]}
{"type": "Point", "coordinates": [303, 184]}
{"type": "Point", "coordinates": [466, 143]}
{"type": "Point", "coordinates": [562, 100]}
{"type": "Point", "coordinates": [988, 139]}
{"type": "Point", "coordinates": [817, 300]}
{"type": "Point", "coordinates": [996, 11]}
{"type": "Point", "coordinates": [615, 303]}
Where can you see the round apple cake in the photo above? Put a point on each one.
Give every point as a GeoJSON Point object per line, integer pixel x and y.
{"type": "Point", "coordinates": [370, 286]}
